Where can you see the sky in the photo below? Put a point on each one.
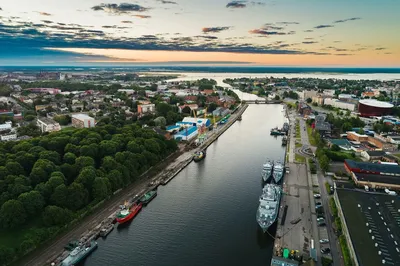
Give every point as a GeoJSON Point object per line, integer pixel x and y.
{"type": "Point", "coordinates": [326, 33]}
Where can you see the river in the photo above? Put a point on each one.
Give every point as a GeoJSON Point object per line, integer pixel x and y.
{"type": "Point", "coordinates": [206, 214]}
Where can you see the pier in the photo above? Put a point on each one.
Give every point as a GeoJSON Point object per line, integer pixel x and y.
{"type": "Point", "coordinates": [294, 236]}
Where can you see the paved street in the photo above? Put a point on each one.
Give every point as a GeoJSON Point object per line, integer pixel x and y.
{"type": "Point", "coordinates": [322, 232]}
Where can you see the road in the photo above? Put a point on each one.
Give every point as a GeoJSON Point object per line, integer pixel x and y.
{"type": "Point", "coordinates": [334, 242]}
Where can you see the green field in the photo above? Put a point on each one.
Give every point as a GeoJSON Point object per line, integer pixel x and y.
{"type": "Point", "coordinates": [311, 138]}
{"type": "Point", "coordinates": [298, 131]}
{"type": "Point", "coordinates": [298, 145]}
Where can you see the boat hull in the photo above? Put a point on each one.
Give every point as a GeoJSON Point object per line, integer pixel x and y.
{"type": "Point", "coordinates": [146, 201]}
{"type": "Point", "coordinates": [130, 216]}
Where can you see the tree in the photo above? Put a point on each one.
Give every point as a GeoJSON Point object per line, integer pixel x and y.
{"type": "Point", "coordinates": [211, 107]}
{"type": "Point", "coordinates": [186, 110]}
{"type": "Point", "coordinates": [6, 255]}
{"type": "Point", "coordinates": [52, 156]}
{"type": "Point", "coordinates": [78, 196]}
{"type": "Point", "coordinates": [83, 161]}
{"type": "Point", "coordinates": [335, 147]}
{"type": "Point", "coordinates": [163, 109]}
{"type": "Point", "coordinates": [63, 119]}
{"type": "Point", "coordinates": [108, 147]}
{"type": "Point", "coordinates": [309, 100]}
{"type": "Point", "coordinates": [59, 196]}
{"type": "Point", "coordinates": [69, 157]}
{"type": "Point", "coordinates": [277, 98]}
{"type": "Point", "coordinates": [12, 214]}
{"type": "Point", "coordinates": [100, 190]}
{"type": "Point", "coordinates": [324, 162]}
{"type": "Point", "coordinates": [160, 121]}
{"type": "Point", "coordinates": [54, 215]}
{"type": "Point", "coordinates": [33, 202]}
{"type": "Point", "coordinates": [14, 168]}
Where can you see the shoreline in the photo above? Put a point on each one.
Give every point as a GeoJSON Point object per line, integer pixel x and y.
{"type": "Point", "coordinates": [88, 227]}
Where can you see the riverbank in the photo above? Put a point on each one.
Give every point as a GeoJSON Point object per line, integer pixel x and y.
{"type": "Point", "coordinates": [91, 225]}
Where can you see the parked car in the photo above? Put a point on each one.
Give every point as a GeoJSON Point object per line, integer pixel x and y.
{"type": "Point", "coordinates": [325, 250]}
{"type": "Point", "coordinates": [321, 224]}
{"type": "Point", "coordinates": [324, 241]}
{"type": "Point", "coordinates": [317, 196]}
{"type": "Point", "coordinates": [318, 203]}
{"type": "Point", "coordinates": [320, 219]}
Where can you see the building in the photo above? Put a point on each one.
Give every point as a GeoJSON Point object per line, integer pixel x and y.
{"type": "Point", "coordinates": [193, 107]}
{"type": "Point", "coordinates": [373, 155]}
{"type": "Point", "coordinates": [44, 90]}
{"type": "Point", "coordinates": [393, 139]}
{"type": "Point", "coordinates": [381, 144]}
{"type": "Point", "coordinates": [370, 107]}
{"type": "Point", "coordinates": [6, 126]}
{"type": "Point", "coordinates": [319, 99]}
{"type": "Point", "coordinates": [323, 128]}
{"type": "Point", "coordinates": [220, 111]}
{"type": "Point", "coordinates": [162, 132]}
{"type": "Point", "coordinates": [198, 122]}
{"type": "Point", "coordinates": [82, 121]}
{"type": "Point", "coordinates": [304, 109]}
{"type": "Point", "coordinates": [354, 136]}
{"type": "Point", "coordinates": [340, 104]}
{"type": "Point", "coordinates": [187, 134]}
{"type": "Point", "coordinates": [341, 143]}
{"type": "Point", "coordinates": [4, 112]}
{"type": "Point", "coordinates": [9, 136]}
{"type": "Point", "coordinates": [304, 95]}
{"type": "Point", "coordinates": [370, 226]}
{"type": "Point", "coordinates": [146, 108]}
{"type": "Point", "coordinates": [47, 125]}
{"type": "Point", "coordinates": [371, 168]}
{"type": "Point", "coordinates": [173, 128]}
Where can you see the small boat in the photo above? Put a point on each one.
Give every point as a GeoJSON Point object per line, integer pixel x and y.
{"type": "Point", "coordinates": [106, 230]}
{"type": "Point", "coordinates": [276, 132]}
{"type": "Point", "coordinates": [266, 172]}
{"type": "Point", "coordinates": [284, 140]}
{"type": "Point", "coordinates": [199, 155]}
{"type": "Point", "coordinates": [146, 198]}
{"type": "Point", "coordinates": [127, 214]}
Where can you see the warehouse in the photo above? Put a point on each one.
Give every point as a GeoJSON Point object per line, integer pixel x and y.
{"type": "Point", "coordinates": [186, 134]}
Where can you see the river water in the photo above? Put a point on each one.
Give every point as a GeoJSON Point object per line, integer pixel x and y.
{"type": "Point", "coordinates": [206, 214]}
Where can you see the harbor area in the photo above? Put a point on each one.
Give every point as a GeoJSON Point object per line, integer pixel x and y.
{"type": "Point", "coordinates": [102, 222]}
{"type": "Point", "coordinates": [294, 221]}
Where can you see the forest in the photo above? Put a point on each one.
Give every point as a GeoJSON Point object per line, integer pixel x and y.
{"type": "Point", "coordinates": [48, 182]}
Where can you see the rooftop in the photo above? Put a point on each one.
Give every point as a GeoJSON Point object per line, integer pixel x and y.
{"type": "Point", "coordinates": [376, 153]}
{"type": "Point", "coordinates": [81, 116]}
{"type": "Point", "coordinates": [376, 103]}
{"type": "Point", "coordinates": [381, 213]}
{"type": "Point", "coordinates": [374, 167]}
{"type": "Point", "coordinates": [47, 121]}
{"type": "Point", "coordinates": [386, 179]}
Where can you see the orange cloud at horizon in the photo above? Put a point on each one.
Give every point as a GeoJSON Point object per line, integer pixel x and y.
{"type": "Point", "coordinates": [364, 59]}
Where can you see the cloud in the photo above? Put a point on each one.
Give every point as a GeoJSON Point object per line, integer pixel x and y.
{"type": "Point", "coordinates": [288, 23]}
{"type": "Point", "coordinates": [236, 4]}
{"type": "Point", "coordinates": [44, 13]}
{"type": "Point", "coordinates": [127, 22]}
{"type": "Point", "coordinates": [380, 48]}
{"type": "Point", "coordinates": [142, 16]}
{"type": "Point", "coordinates": [308, 31]}
{"type": "Point", "coordinates": [309, 42]}
{"type": "Point", "coordinates": [167, 2]}
{"type": "Point", "coordinates": [119, 8]}
{"type": "Point", "coordinates": [323, 26]}
{"type": "Point", "coordinates": [267, 32]}
{"type": "Point", "coordinates": [214, 29]}
{"type": "Point", "coordinates": [345, 20]}
{"type": "Point", "coordinates": [23, 36]}
{"type": "Point", "coordinates": [1, 9]}
{"type": "Point", "coordinates": [47, 21]}
{"type": "Point", "coordinates": [344, 54]}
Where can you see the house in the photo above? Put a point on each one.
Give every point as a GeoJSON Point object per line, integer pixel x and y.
{"type": "Point", "coordinates": [8, 136]}
{"type": "Point", "coordinates": [353, 136]}
{"type": "Point", "coordinates": [146, 109]}
{"type": "Point", "coordinates": [227, 101]}
{"type": "Point", "coordinates": [213, 99]}
{"type": "Point", "coordinates": [220, 111]}
{"type": "Point", "coordinates": [394, 139]}
{"type": "Point", "coordinates": [47, 125]}
{"type": "Point", "coordinates": [191, 98]}
{"type": "Point", "coordinates": [82, 121]}
{"type": "Point", "coordinates": [318, 99]}
{"type": "Point", "coordinates": [324, 128]}
{"type": "Point", "coordinates": [207, 92]}
{"type": "Point", "coordinates": [304, 109]}
{"type": "Point", "coordinates": [373, 155]}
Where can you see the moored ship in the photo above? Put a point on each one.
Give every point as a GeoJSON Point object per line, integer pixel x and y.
{"type": "Point", "coordinates": [79, 253]}
{"type": "Point", "coordinates": [276, 132]}
{"type": "Point", "coordinates": [199, 155]}
{"type": "Point", "coordinates": [127, 214]}
{"type": "Point", "coordinates": [269, 206]}
{"type": "Point", "coordinates": [106, 230]}
{"type": "Point", "coordinates": [284, 140]}
{"type": "Point", "coordinates": [146, 198]}
{"type": "Point", "coordinates": [267, 170]}
{"type": "Point", "coordinates": [278, 171]}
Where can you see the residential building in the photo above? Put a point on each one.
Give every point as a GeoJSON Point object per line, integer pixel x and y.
{"type": "Point", "coordinates": [373, 155]}
{"type": "Point", "coordinates": [44, 90]}
{"type": "Point", "coordinates": [329, 93]}
{"type": "Point", "coordinates": [47, 125]}
{"type": "Point", "coordinates": [6, 126]}
{"type": "Point", "coordinates": [146, 108]}
{"type": "Point", "coordinates": [340, 104]}
{"type": "Point", "coordinates": [304, 109]}
{"type": "Point", "coordinates": [381, 144]}
{"type": "Point", "coordinates": [82, 121]}
{"type": "Point", "coordinates": [324, 128]}
{"type": "Point", "coordinates": [8, 136]}
{"type": "Point", "coordinates": [353, 136]}
{"type": "Point", "coordinates": [318, 99]}
{"type": "Point", "coordinates": [304, 95]}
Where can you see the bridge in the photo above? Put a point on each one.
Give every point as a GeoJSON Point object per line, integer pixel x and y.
{"type": "Point", "coordinates": [262, 101]}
